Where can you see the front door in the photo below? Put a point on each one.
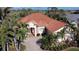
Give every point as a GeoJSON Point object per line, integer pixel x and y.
{"type": "Point", "coordinates": [32, 30]}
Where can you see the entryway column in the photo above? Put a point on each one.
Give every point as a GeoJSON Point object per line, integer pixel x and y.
{"type": "Point", "coordinates": [35, 31]}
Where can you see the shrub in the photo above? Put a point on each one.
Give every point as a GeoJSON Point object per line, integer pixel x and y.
{"type": "Point", "coordinates": [59, 47]}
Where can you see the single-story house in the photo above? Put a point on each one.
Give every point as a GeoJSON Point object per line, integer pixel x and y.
{"type": "Point", "coordinates": [37, 22]}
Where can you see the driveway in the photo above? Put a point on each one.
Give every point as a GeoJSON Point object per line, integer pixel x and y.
{"type": "Point", "coordinates": [31, 44]}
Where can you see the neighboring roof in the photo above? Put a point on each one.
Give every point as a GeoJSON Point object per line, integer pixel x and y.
{"type": "Point", "coordinates": [72, 17]}
{"type": "Point", "coordinates": [43, 20]}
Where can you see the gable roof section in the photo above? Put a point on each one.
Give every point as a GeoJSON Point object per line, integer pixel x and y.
{"type": "Point", "coordinates": [43, 20]}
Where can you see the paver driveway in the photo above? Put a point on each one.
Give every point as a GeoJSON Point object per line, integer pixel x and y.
{"type": "Point", "coordinates": [31, 44]}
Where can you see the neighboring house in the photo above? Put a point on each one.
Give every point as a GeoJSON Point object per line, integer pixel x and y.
{"type": "Point", "coordinates": [39, 23]}
{"type": "Point", "coordinates": [73, 19]}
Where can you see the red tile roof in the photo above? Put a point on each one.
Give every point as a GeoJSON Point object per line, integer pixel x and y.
{"type": "Point", "coordinates": [43, 20]}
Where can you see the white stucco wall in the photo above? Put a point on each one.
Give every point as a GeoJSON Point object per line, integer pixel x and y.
{"type": "Point", "coordinates": [60, 39]}
{"type": "Point", "coordinates": [67, 35]}
{"type": "Point", "coordinates": [31, 24]}
{"type": "Point", "coordinates": [40, 29]}
{"type": "Point", "coordinates": [58, 30]}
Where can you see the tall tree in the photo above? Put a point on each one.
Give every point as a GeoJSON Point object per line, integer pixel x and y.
{"type": "Point", "coordinates": [56, 13]}
{"type": "Point", "coordinates": [4, 12]}
{"type": "Point", "coordinates": [10, 32]}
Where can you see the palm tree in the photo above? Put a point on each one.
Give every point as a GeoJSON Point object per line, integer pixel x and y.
{"type": "Point", "coordinates": [56, 13]}
{"type": "Point", "coordinates": [3, 32]}
{"type": "Point", "coordinates": [51, 11]}
{"type": "Point", "coordinates": [4, 12]}
{"type": "Point", "coordinates": [29, 11]}
{"type": "Point", "coordinates": [10, 31]}
{"type": "Point", "coordinates": [20, 34]}
{"type": "Point", "coordinates": [22, 12]}
{"type": "Point", "coordinates": [62, 33]}
{"type": "Point", "coordinates": [75, 31]}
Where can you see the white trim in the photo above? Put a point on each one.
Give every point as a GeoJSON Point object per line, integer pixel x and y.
{"type": "Point", "coordinates": [59, 30]}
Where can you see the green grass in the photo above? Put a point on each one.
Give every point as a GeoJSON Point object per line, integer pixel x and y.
{"type": "Point", "coordinates": [72, 49]}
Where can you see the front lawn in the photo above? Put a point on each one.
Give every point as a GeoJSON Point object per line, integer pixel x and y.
{"type": "Point", "coordinates": [72, 49]}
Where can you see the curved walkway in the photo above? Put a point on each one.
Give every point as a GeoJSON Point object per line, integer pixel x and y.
{"type": "Point", "coordinates": [31, 44]}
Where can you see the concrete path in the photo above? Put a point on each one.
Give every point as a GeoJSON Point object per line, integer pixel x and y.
{"type": "Point", "coordinates": [31, 44]}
